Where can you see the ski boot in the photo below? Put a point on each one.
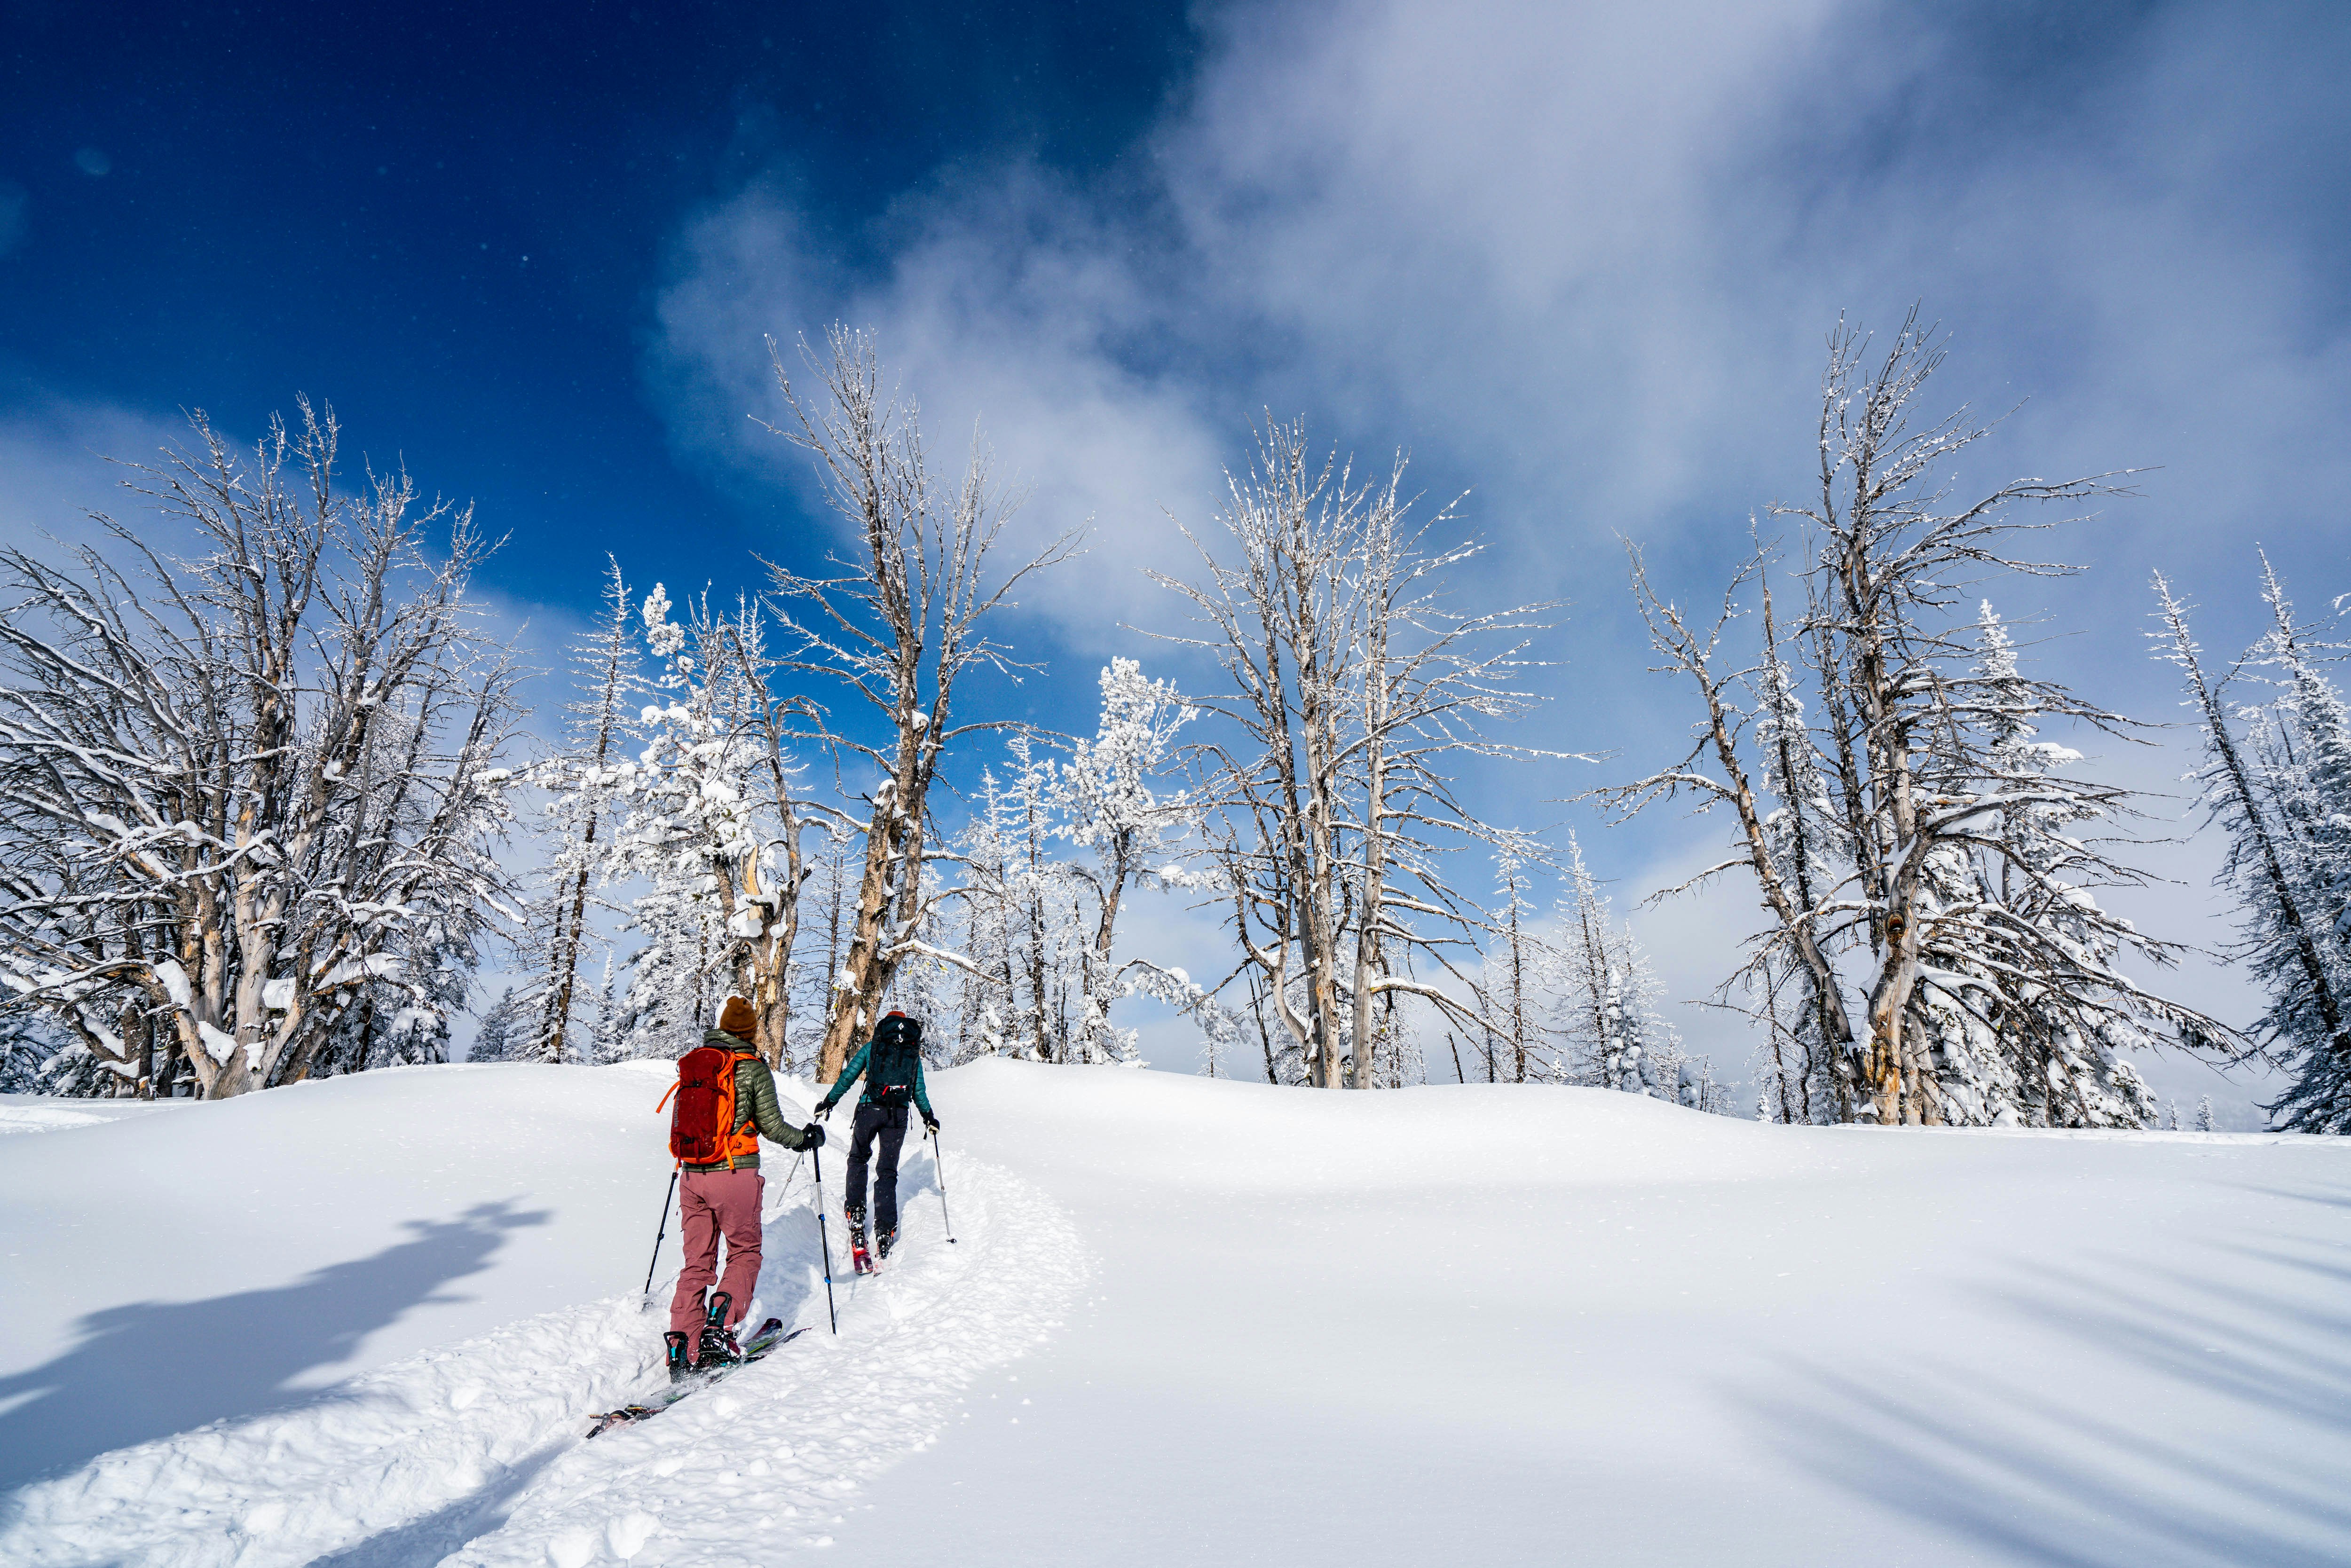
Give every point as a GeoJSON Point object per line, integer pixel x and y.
{"type": "Point", "coordinates": [888, 1241]}
{"type": "Point", "coordinates": [859, 1259]}
{"type": "Point", "coordinates": [718, 1347]}
{"type": "Point", "coordinates": [674, 1350]}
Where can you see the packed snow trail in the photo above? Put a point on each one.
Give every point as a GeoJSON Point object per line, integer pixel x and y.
{"type": "Point", "coordinates": [478, 1448]}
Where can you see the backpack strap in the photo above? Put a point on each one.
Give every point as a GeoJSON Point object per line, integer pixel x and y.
{"type": "Point", "coordinates": [726, 1116]}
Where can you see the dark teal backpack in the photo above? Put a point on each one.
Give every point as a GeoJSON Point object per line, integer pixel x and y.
{"type": "Point", "coordinates": [892, 1062]}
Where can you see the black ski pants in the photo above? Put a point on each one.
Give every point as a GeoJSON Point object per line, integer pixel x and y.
{"type": "Point", "coordinates": [888, 1128]}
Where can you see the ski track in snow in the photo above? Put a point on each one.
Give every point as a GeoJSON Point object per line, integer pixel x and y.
{"type": "Point", "coordinates": [473, 1454]}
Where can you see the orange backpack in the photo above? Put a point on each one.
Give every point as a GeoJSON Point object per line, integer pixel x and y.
{"type": "Point", "coordinates": [702, 1127]}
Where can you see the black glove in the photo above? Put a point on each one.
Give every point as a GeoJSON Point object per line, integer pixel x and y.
{"type": "Point", "coordinates": [814, 1135]}
{"type": "Point", "coordinates": [931, 1126]}
{"type": "Point", "coordinates": [823, 1110]}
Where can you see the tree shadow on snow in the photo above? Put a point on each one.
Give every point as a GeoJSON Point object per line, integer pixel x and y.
{"type": "Point", "coordinates": [2196, 1417]}
{"type": "Point", "coordinates": [149, 1369]}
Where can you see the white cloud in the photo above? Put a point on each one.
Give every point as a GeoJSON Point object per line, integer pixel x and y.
{"type": "Point", "coordinates": [55, 469]}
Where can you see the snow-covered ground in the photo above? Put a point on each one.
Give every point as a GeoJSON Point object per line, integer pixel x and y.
{"type": "Point", "coordinates": [361, 1323]}
{"type": "Point", "coordinates": [47, 1114]}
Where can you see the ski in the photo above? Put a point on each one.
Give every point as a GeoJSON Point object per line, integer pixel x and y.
{"type": "Point", "coordinates": [861, 1260]}
{"type": "Point", "coordinates": [770, 1336]}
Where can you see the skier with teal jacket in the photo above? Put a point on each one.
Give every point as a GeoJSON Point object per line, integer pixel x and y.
{"type": "Point", "coordinates": [891, 1065]}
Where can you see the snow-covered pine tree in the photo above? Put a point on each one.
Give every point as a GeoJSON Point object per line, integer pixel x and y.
{"type": "Point", "coordinates": [2283, 935]}
{"type": "Point", "coordinates": [1606, 997]}
{"type": "Point", "coordinates": [2030, 1021]}
{"type": "Point", "coordinates": [581, 784]}
{"type": "Point", "coordinates": [1113, 809]}
{"type": "Point", "coordinates": [1019, 908]}
{"type": "Point", "coordinates": [685, 834]}
{"type": "Point", "coordinates": [2302, 737]}
{"type": "Point", "coordinates": [608, 1038]}
{"type": "Point", "coordinates": [987, 1015]}
{"type": "Point", "coordinates": [1517, 958]}
{"type": "Point", "coordinates": [816, 960]}
{"type": "Point", "coordinates": [505, 1032]}
{"type": "Point", "coordinates": [2205, 1121]}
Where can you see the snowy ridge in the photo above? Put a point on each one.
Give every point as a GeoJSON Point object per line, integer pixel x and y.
{"type": "Point", "coordinates": [477, 1450]}
{"type": "Point", "coordinates": [47, 1113]}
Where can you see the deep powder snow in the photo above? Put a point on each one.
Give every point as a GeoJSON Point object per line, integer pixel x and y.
{"type": "Point", "coordinates": [362, 1322]}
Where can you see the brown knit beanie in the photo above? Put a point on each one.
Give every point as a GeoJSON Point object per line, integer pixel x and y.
{"type": "Point", "coordinates": [738, 1020]}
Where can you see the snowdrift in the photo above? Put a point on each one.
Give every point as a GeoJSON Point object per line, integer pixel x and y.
{"type": "Point", "coordinates": [1186, 1322]}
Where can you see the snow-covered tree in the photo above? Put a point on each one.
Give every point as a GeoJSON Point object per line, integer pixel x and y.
{"type": "Point", "coordinates": [709, 824]}
{"type": "Point", "coordinates": [2030, 1021]}
{"type": "Point", "coordinates": [580, 783]}
{"type": "Point", "coordinates": [1352, 689]}
{"type": "Point", "coordinates": [1606, 1001]}
{"type": "Point", "coordinates": [248, 790]}
{"type": "Point", "coordinates": [816, 961]}
{"type": "Point", "coordinates": [2277, 796]}
{"type": "Point", "coordinates": [505, 1032]}
{"type": "Point", "coordinates": [1019, 910]}
{"type": "Point", "coordinates": [904, 619]}
{"type": "Point", "coordinates": [2205, 1122]}
{"type": "Point", "coordinates": [1127, 827]}
{"type": "Point", "coordinates": [1933, 858]}
{"type": "Point", "coordinates": [1516, 961]}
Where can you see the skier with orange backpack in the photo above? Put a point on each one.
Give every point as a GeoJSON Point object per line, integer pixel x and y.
{"type": "Point", "coordinates": [726, 1101]}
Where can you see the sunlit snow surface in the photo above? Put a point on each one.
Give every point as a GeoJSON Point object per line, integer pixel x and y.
{"type": "Point", "coordinates": [1186, 1322]}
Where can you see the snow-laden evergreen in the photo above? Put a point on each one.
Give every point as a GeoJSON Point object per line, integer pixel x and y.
{"type": "Point", "coordinates": [559, 939]}
{"type": "Point", "coordinates": [1607, 1006]}
{"type": "Point", "coordinates": [2281, 792]}
{"type": "Point", "coordinates": [506, 1031]}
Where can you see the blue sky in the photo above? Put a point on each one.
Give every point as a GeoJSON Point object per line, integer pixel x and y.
{"type": "Point", "coordinates": [1578, 260]}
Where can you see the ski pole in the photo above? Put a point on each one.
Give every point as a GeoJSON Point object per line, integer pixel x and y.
{"type": "Point", "coordinates": [663, 1231]}
{"type": "Point", "coordinates": [938, 1168]}
{"type": "Point", "coordinates": [824, 1238]}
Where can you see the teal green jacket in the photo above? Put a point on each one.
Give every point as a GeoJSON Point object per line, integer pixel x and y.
{"type": "Point", "coordinates": [856, 1069]}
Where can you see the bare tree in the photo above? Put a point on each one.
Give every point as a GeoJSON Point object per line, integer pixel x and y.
{"type": "Point", "coordinates": [242, 789]}
{"type": "Point", "coordinates": [1936, 842]}
{"type": "Point", "coordinates": [900, 627]}
{"type": "Point", "coordinates": [1351, 689]}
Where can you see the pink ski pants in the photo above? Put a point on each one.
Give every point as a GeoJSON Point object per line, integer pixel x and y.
{"type": "Point", "coordinates": [715, 1204]}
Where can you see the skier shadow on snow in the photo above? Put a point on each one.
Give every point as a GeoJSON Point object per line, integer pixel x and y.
{"type": "Point", "coordinates": [446, 1530]}
{"type": "Point", "coordinates": [2042, 1475]}
{"type": "Point", "coordinates": [145, 1370]}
